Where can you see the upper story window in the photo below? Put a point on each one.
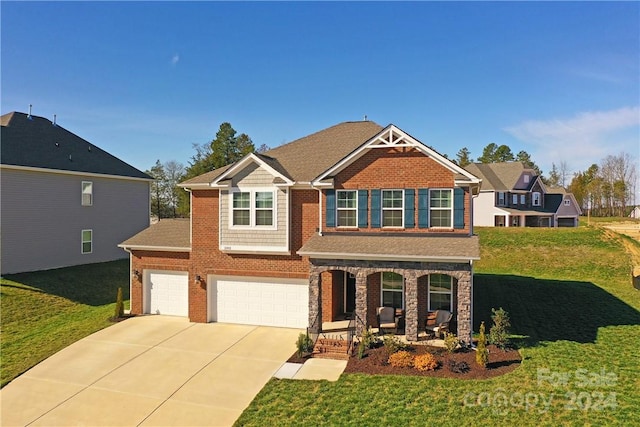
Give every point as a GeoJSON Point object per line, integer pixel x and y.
{"type": "Point", "coordinates": [500, 198]}
{"type": "Point", "coordinates": [515, 199]}
{"type": "Point", "coordinates": [441, 208]}
{"type": "Point", "coordinates": [523, 199]}
{"type": "Point", "coordinates": [567, 202]}
{"type": "Point", "coordinates": [87, 241]}
{"type": "Point", "coordinates": [526, 179]}
{"type": "Point", "coordinates": [264, 208]}
{"type": "Point", "coordinates": [252, 208]}
{"type": "Point", "coordinates": [392, 208]}
{"type": "Point", "coordinates": [87, 193]}
{"type": "Point", "coordinates": [347, 208]}
{"type": "Point", "coordinates": [535, 199]}
{"type": "Point", "coordinates": [392, 290]}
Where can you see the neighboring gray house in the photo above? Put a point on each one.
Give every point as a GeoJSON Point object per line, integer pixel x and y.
{"type": "Point", "coordinates": [64, 201]}
{"type": "Point", "coordinates": [514, 196]}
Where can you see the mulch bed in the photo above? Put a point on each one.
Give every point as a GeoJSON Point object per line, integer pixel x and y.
{"type": "Point", "coordinates": [500, 363]}
{"type": "Point", "coordinates": [375, 363]}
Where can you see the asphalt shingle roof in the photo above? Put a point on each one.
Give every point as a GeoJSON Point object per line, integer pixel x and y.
{"type": "Point", "coordinates": [497, 176]}
{"type": "Point", "coordinates": [36, 142]}
{"type": "Point", "coordinates": [394, 247]}
{"type": "Point", "coordinates": [306, 158]}
{"type": "Point", "coordinates": [166, 233]}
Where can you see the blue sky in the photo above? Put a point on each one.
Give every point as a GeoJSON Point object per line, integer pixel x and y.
{"type": "Point", "coordinates": [145, 81]}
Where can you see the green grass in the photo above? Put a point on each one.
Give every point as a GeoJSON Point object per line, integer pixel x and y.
{"type": "Point", "coordinates": [572, 307]}
{"type": "Point", "coordinates": [45, 311]}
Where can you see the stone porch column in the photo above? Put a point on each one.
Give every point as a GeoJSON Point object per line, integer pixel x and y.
{"type": "Point", "coordinates": [315, 303]}
{"type": "Point", "coordinates": [411, 307]}
{"type": "Point", "coordinates": [361, 302]}
{"type": "Point", "coordinates": [464, 307]}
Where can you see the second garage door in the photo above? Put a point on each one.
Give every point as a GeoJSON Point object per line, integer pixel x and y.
{"type": "Point", "coordinates": [259, 301]}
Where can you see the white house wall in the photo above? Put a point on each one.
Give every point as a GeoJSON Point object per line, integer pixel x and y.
{"type": "Point", "coordinates": [484, 210]}
{"type": "Point", "coordinates": [42, 218]}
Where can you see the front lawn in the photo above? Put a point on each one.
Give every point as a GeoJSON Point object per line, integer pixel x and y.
{"type": "Point", "coordinates": [575, 316]}
{"type": "Point", "coordinates": [45, 311]}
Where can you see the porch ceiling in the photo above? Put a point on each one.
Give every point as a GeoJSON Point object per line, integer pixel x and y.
{"type": "Point", "coordinates": [393, 248]}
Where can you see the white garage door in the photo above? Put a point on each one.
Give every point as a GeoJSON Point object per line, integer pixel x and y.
{"type": "Point", "coordinates": [259, 301]}
{"type": "Point", "coordinates": [167, 292]}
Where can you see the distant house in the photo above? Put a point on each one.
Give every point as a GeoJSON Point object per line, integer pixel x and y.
{"type": "Point", "coordinates": [64, 201]}
{"type": "Point", "coordinates": [514, 196]}
{"type": "Point", "coordinates": [635, 213]}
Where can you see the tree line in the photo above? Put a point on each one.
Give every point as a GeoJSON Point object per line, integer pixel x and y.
{"type": "Point", "coordinates": [606, 189]}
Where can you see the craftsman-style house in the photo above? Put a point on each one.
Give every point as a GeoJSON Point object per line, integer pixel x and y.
{"type": "Point", "coordinates": [338, 223]}
{"type": "Point", "coordinates": [515, 196]}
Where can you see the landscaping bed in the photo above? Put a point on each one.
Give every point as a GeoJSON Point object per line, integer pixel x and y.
{"type": "Point", "coordinates": [375, 362]}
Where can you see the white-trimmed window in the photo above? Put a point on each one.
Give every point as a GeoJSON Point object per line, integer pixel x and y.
{"type": "Point", "coordinates": [500, 198]}
{"type": "Point", "coordinates": [440, 292]}
{"type": "Point", "coordinates": [526, 179]}
{"type": "Point", "coordinates": [252, 208]}
{"type": "Point", "coordinates": [515, 199]}
{"type": "Point", "coordinates": [567, 202]}
{"type": "Point", "coordinates": [535, 198]}
{"type": "Point", "coordinates": [87, 241]}
{"type": "Point", "coordinates": [441, 208]}
{"type": "Point", "coordinates": [392, 208]}
{"type": "Point", "coordinates": [87, 193]}
{"type": "Point", "coordinates": [241, 208]}
{"type": "Point", "coordinates": [264, 208]}
{"type": "Point", "coordinates": [347, 208]}
{"type": "Point", "coordinates": [523, 199]}
{"type": "Point", "coordinates": [392, 288]}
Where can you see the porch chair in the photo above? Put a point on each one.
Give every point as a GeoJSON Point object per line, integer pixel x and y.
{"type": "Point", "coordinates": [441, 324]}
{"type": "Point", "coordinates": [387, 319]}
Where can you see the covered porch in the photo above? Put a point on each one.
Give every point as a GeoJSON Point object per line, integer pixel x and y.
{"type": "Point", "coordinates": [433, 273]}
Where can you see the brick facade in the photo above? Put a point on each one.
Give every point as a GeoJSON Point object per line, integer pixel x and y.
{"type": "Point", "coordinates": [380, 168]}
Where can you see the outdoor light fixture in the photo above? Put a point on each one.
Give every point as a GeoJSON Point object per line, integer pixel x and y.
{"type": "Point", "coordinates": [198, 279]}
{"type": "Point", "coordinates": [136, 274]}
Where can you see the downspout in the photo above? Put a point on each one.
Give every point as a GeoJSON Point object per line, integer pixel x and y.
{"type": "Point", "coordinates": [130, 280]}
{"type": "Point", "coordinates": [319, 209]}
{"type": "Point", "coordinates": [471, 305]}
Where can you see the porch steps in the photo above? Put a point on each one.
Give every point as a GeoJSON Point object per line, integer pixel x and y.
{"type": "Point", "coordinates": [331, 348]}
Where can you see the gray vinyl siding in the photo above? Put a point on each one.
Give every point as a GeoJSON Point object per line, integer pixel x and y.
{"type": "Point", "coordinates": [43, 218]}
{"type": "Point", "coordinates": [254, 177]}
{"type": "Point", "coordinates": [567, 211]}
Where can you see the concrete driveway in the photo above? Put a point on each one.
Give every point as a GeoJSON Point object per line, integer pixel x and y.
{"type": "Point", "coordinates": [150, 371]}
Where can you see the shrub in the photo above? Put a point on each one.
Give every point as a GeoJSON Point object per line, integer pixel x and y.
{"type": "Point", "coordinates": [401, 359]}
{"type": "Point", "coordinates": [361, 349]}
{"type": "Point", "coordinates": [368, 338]}
{"type": "Point", "coordinates": [119, 305]}
{"type": "Point", "coordinates": [425, 362]}
{"type": "Point", "coordinates": [392, 344]}
{"type": "Point", "coordinates": [304, 344]}
{"type": "Point", "coordinates": [451, 342]}
{"type": "Point", "coordinates": [461, 367]}
{"type": "Point", "coordinates": [482, 353]}
{"type": "Point", "coordinates": [500, 329]}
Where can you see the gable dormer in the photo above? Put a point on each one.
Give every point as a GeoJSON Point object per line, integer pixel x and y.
{"type": "Point", "coordinates": [254, 200]}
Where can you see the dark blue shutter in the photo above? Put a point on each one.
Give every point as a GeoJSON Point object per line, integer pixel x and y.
{"type": "Point", "coordinates": [363, 209]}
{"type": "Point", "coordinates": [331, 208]}
{"type": "Point", "coordinates": [423, 208]}
{"type": "Point", "coordinates": [409, 208]}
{"type": "Point", "coordinates": [458, 208]}
{"type": "Point", "coordinates": [376, 203]}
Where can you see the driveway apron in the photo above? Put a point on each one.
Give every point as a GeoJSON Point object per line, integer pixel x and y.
{"type": "Point", "coordinates": [150, 371]}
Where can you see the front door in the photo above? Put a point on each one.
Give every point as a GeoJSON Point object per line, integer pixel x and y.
{"type": "Point", "coordinates": [349, 293]}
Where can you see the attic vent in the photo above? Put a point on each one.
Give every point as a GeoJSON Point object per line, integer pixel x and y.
{"type": "Point", "coordinates": [89, 149]}
{"type": "Point", "coordinates": [54, 120]}
{"type": "Point", "coordinates": [58, 144]}
{"type": "Point", "coordinates": [365, 117]}
{"type": "Point", "coordinates": [70, 158]}
{"type": "Point", "coordinates": [29, 115]}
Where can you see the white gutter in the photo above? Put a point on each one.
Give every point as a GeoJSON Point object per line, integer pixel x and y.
{"type": "Point", "coordinates": [383, 257]}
